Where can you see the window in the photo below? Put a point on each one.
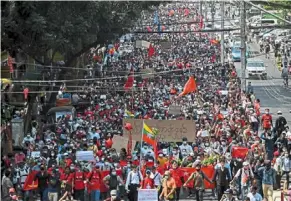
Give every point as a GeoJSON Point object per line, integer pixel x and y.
{"type": "Point", "coordinates": [255, 64]}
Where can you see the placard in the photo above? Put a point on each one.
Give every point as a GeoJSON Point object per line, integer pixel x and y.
{"type": "Point", "coordinates": [147, 195]}
{"type": "Point", "coordinates": [85, 156]}
{"type": "Point", "coordinates": [169, 130]}
{"type": "Point", "coordinates": [61, 114]}
{"type": "Point", "coordinates": [35, 154]}
{"type": "Point", "coordinates": [121, 142]}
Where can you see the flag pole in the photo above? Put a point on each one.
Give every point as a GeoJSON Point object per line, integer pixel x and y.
{"type": "Point", "coordinates": [141, 144]}
{"type": "Point", "coordinates": [132, 90]}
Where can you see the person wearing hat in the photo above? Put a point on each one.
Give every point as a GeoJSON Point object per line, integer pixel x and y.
{"type": "Point", "coordinates": [280, 123]}
{"type": "Point", "coordinates": [246, 174]}
{"type": "Point", "coordinates": [133, 182]}
{"type": "Point", "coordinates": [169, 187]}
{"type": "Point", "coordinates": [253, 195]}
{"type": "Point", "coordinates": [228, 195]}
{"type": "Point", "coordinates": [147, 182]}
{"type": "Point", "coordinates": [198, 178]}
{"type": "Point", "coordinates": [113, 196]}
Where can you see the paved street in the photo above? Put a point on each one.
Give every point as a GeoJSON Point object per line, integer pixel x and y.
{"type": "Point", "coordinates": [271, 91]}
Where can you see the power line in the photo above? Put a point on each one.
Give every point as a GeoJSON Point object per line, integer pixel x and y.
{"type": "Point", "coordinates": [106, 78]}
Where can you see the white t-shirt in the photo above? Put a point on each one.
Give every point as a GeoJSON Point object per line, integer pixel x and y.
{"type": "Point", "coordinates": [256, 197]}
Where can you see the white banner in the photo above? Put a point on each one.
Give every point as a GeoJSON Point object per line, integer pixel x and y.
{"type": "Point", "coordinates": [85, 156]}
{"type": "Point", "coordinates": [35, 154]}
{"type": "Point", "coordinates": [147, 195]}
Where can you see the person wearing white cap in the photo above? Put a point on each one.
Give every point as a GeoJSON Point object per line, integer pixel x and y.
{"type": "Point", "coordinates": [280, 123]}
{"type": "Point", "coordinates": [246, 174]}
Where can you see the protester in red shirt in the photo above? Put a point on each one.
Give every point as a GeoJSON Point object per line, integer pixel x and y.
{"type": "Point", "coordinates": [267, 120]}
{"type": "Point", "coordinates": [147, 183]}
{"type": "Point", "coordinates": [66, 178]}
{"type": "Point", "coordinates": [177, 175]}
{"type": "Point", "coordinates": [94, 180]}
{"type": "Point", "coordinates": [79, 184]}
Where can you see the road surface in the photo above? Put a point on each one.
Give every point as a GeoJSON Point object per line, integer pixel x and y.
{"type": "Point", "coordinates": [270, 91]}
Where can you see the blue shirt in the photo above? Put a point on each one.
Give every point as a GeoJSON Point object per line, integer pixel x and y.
{"type": "Point", "coordinates": [92, 135]}
{"type": "Point", "coordinates": [268, 176]}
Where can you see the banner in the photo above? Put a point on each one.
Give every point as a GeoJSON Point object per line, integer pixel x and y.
{"type": "Point", "coordinates": [35, 154]}
{"type": "Point", "coordinates": [121, 142]}
{"type": "Point", "coordinates": [239, 152]}
{"type": "Point", "coordinates": [169, 130]}
{"type": "Point", "coordinates": [207, 170]}
{"type": "Point", "coordinates": [85, 156]}
{"type": "Point", "coordinates": [147, 195]}
{"type": "Point", "coordinates": [142, 44]}
{"type": "Point", "coordinates": [29, 183]}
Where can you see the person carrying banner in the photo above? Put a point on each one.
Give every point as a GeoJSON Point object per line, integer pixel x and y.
{"type": "Point", "coordinates": [147, 182]}
{"type": "Point", "coordinates": [133, 181]}
{"type": "Point", "coordinates": [198, 178]}
{"type": "Point", "coordinates": [169, 187]}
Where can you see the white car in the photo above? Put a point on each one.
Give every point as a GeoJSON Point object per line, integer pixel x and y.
{"type": "Point", "coordinates": [256, 68]}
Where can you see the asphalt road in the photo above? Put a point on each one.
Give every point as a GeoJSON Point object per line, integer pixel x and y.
{"type": "Point", "coordinates": [270, 91]}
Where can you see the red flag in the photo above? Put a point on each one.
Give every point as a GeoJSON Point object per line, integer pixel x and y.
{"type": "Point", "coordinates": [201, 24]}
{"type": "Point", "coordinates": [129, 83]}
{"type": "Point", "coordinates": [151, 51]}
{"type": "Point", "coordinates": [29, 183]}
{"type": "Point", "coordinates": [189, 87]}
{"type": "Point", "coordinates": [239, 152]}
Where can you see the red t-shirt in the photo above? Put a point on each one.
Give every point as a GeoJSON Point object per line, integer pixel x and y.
{"type": "Point", "coordinates": [94, 178]}
{"type": "Point", "coordinates": [266, 119]}
{"type": "Point", "coordinates": [147, 183]}
{"type": "Point", "coordinates": [79, 178]}
{"type": "Point", "coordinates": [176, 174]}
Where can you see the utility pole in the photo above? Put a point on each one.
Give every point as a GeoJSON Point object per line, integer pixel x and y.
{"type": "Point", "coordinates": [200, 13]}
{"type": "Point", "coordinates": [222, 33]}
{"type": "Point", "coordinates": [212, 15]}
{"type": "Point", "coordinates": [243, 44]}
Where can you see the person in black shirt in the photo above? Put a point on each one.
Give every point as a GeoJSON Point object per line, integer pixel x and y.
{"type": "Point", "coordinates": [223, 179]}
{"type": "Point", "coordinates": [42, 178]}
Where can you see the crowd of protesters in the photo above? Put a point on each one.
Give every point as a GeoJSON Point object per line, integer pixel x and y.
{"type": "Point", "coordinates": [227, 119]}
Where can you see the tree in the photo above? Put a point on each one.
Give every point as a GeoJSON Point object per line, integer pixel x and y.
{"type": "Point", "coordinates": [70, 28]}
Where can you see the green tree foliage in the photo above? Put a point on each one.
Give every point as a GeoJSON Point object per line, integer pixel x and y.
{"type": "Point", "coordinates": [70, 28]}
{"type": "Point", "coordinates": [275, 4]}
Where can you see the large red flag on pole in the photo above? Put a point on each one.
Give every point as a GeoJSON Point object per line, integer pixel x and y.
{"type": "Point", "coordinates": [189, 87]}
